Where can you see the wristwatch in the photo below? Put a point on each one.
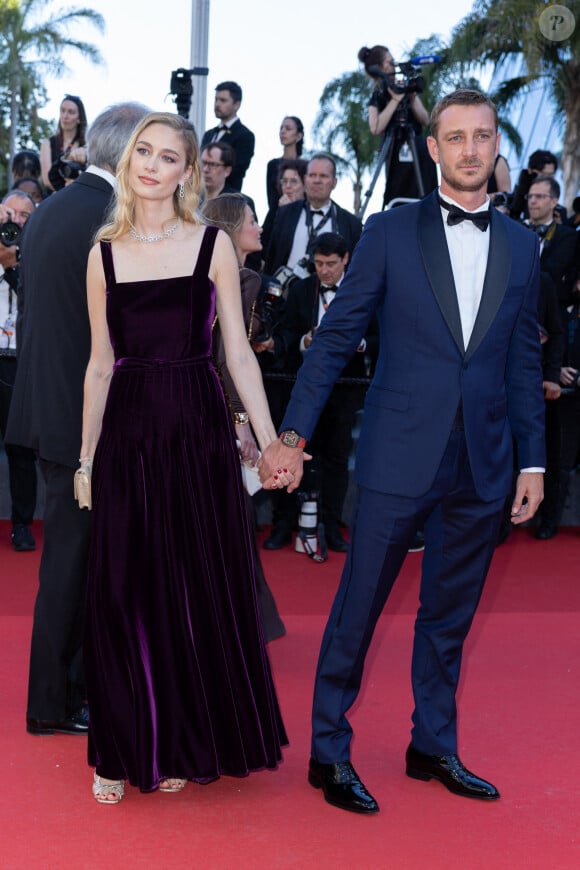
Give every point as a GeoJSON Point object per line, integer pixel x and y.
{"type": "Point", "coordinates": [291, 438]}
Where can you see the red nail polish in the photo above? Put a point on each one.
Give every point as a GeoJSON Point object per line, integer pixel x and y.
{"type": "Point", "coordinates": [275, 477]}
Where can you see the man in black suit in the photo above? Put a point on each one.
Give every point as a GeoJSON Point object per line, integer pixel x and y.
{"type": "Point", "coordinates": [228, 98]}
{"type": "Point", "coordinates": [297, 224]}
{"type": "Point", "coordinates": [558, 243]}
{"type": "Point", "coordinates": [331, 442]}
{"type": "Point", "coordinates": [559, 266]}
{"type": "Point", "coordinates": [46, 413]}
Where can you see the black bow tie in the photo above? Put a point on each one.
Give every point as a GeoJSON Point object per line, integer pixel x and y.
{"type": "Point", "coordinates": [325, 288]}
{"type": "Point", "coordinates": [541, 229]}
{"type": "Point", "coordinates": [457, 215]}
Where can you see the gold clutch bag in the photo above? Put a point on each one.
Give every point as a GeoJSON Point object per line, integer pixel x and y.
{"type": "Point", "coordinates": [82, 487]}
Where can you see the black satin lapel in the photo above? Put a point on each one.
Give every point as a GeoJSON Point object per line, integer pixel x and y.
{"type": "Point", "coordinates": [499, 262]}
{"type": "Point", "coordinates": [435, 254]}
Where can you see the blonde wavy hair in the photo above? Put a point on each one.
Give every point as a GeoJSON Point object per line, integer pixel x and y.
{"type": "Point", "coordinates": [122, 214]}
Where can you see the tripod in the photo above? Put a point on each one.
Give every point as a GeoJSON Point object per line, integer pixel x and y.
{"type": "Point", "coordinates": [399, 130]}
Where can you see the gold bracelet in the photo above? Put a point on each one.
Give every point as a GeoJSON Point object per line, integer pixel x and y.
{"type": "Point", "coordinates": [241, 418]}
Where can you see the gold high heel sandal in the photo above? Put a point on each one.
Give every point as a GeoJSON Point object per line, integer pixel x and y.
{"type": "Point", "coordinates": [172, 784]}
{"type": "Point", "coordinates": [101, 791]}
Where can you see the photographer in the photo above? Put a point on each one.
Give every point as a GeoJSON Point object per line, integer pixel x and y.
{"type": "Point", "coordinates": [397, 110]}
{"type": "Point", "coordinates": [297, 224]}
{"type": "Point", "coordinates": [540, 163]}
{"type": "Point", "coordinates": [16, 208]}
{"type": "Point", "coordinates": [64, 155]}
{"type": "Point", "coordinates": [330, 445]}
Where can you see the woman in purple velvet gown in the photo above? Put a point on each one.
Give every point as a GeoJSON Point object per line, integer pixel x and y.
{"type": "Point", "coordinates": [178, 679]}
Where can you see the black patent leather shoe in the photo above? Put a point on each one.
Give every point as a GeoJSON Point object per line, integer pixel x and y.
{"type": "Point", "coordinates": [334, 540]}
{"type": "Point", "coordinates": [279, 537]}
{"type": "Point", "coordinates": [22, 539]}
{"type": "Point", "coordinates": [341, 786]}
{"type": "Point", "coordinates": [449, 770]}
{"type": "Point", "coordinates": [78, 723]}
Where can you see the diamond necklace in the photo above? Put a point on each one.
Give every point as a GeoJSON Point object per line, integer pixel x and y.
{"type": "Point", "coordinates": [155, 237]}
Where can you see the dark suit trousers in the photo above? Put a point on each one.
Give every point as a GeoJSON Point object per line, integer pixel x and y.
{"type": "Point", "coordinates": [56, 683]}
{"type": "Point", "coordinates": [21, 460]}
{"type": "Point", "coordinates": [460, 536]}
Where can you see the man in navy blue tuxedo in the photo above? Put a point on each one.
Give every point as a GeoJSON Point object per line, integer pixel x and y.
{"type": "Point", "coordinates": [454, 288]}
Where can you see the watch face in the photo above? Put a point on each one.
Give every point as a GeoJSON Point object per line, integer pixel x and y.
{"type": "Point", "coordinates": [290, 438]}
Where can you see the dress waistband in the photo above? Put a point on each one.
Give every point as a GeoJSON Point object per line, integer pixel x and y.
{"type": "Point", "coordinates": [134, 363]}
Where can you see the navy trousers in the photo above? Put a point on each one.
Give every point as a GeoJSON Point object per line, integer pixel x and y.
{"type": "Point", "coordinates": [461, 533]}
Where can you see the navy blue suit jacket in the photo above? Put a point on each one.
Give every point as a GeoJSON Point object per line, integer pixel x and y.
{"type": "Point", "coordinates": [401, 271]}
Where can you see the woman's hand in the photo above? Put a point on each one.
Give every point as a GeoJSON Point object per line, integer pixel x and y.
{"type": "Point", "coordinates": [248, 448]}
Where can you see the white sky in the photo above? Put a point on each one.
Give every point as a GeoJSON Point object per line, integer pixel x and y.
{"type": "Point", "coordinates": [282, 54]}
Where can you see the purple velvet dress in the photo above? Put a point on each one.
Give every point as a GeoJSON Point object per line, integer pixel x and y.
{"type": "Point", "coordinates": [178, 679]}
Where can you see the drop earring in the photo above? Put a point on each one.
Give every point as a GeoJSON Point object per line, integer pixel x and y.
{"type": "Point", "coordinates": [181, 190]}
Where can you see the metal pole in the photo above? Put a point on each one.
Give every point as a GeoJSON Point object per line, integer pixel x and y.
{"type": "Point", "coordinates": [199, 56]}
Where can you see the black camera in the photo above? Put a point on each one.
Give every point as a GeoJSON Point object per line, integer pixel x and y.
{"type": "Point", "coordinates": [63, 170]}
{"type": "Point", "coordinates": [270, 305]}
{"type": "Point", "coordinates": [406, 80]}
{"type": "Point", "coordinates": [503, 199]}
{"type": "Point", "coordinates": [68, 169]}
{"type": "Point", "coordinates": [9, 233]}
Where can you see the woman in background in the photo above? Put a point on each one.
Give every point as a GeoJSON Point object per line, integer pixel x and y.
{"type": "Point", "coordinates": [290, 186]}
{"type": "Point", "coordinates": [231, 213]}
{"type": "Point", "coordinates": [68, 143]}
{"type": "Point", "coordinates": [386, 106]}
{"type": "Point", "coordinates": [292, 141]}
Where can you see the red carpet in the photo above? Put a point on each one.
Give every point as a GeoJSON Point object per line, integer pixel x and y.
{"type": "Point", "coordinates": [519, 701]}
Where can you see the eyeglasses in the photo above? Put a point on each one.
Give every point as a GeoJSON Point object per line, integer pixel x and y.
{"type": "Point", "coordinates": [538, 196]}
{"type": "Point", "coordinates": [210, 164]}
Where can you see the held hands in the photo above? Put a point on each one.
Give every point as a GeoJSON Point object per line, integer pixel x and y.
{"type": "Point", "coordinates": [281, 466]}
{"type": "Point", "coordinates": [529, 494]}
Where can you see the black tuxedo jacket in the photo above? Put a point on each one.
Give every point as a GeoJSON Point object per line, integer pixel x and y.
{"type": "Point", "coordinates": [301, 315]}
{"type": "Point", "coordinates": [243, 142]}
{"type": "Point", "coordinates": [559, 258]}
{"type": "Point", "coordinates": [284, 227]}
{"type": "Point", "coordinates": [53, 322]}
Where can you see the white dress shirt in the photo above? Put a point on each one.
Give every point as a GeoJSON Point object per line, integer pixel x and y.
{"type": "Point", "coordinates": [468, 250]}
{"type": "Point", "coordinates": [300, 242]}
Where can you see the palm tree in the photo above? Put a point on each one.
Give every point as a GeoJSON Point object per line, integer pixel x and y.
{"type": "Point", "coordinates": [508, 34]}
{"type": "Point", "coordinates": [32, 46]}
{"type": "Point", "coordinates": [342, 129]}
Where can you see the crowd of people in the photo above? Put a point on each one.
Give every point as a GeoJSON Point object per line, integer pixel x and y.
{"type": "Point", "coordinates": [204, 334]}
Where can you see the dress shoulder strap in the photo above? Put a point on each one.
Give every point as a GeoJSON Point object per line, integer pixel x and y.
{"type": "Point", "coordinates": [206, 250]}
{"type": "Point", "coordinates": [108, 265]}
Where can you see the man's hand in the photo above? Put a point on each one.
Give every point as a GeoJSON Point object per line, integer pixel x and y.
{"type": "Point", "coordinates": [281, 466]}
{"type": "Point", "coordinates": [529, 494]}
{"type": "Point", "coordinates": [551, 390]}
{"type": "Point", "coordinates": [262, 346]}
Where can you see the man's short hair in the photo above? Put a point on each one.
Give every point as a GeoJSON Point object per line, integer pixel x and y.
{"type": "Point", "coordinates": [234, 89]}
{"type": "Point", "coordinates": [323, 155]}
{"type": "Point", "coordinates": [330, 243]}
{"type": "Point", "coordinates": [21, 194]}
{"type": "Point", "coordinates": [461, 97]}
{"type": "Point", "coordinates": [227, 153]}
{"type": "Point", "coordinates": [110, 131]}
{"type": "Point", "coordinates": [540, 158]}
{"type": "Point", "coordinates": [551, 182]}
